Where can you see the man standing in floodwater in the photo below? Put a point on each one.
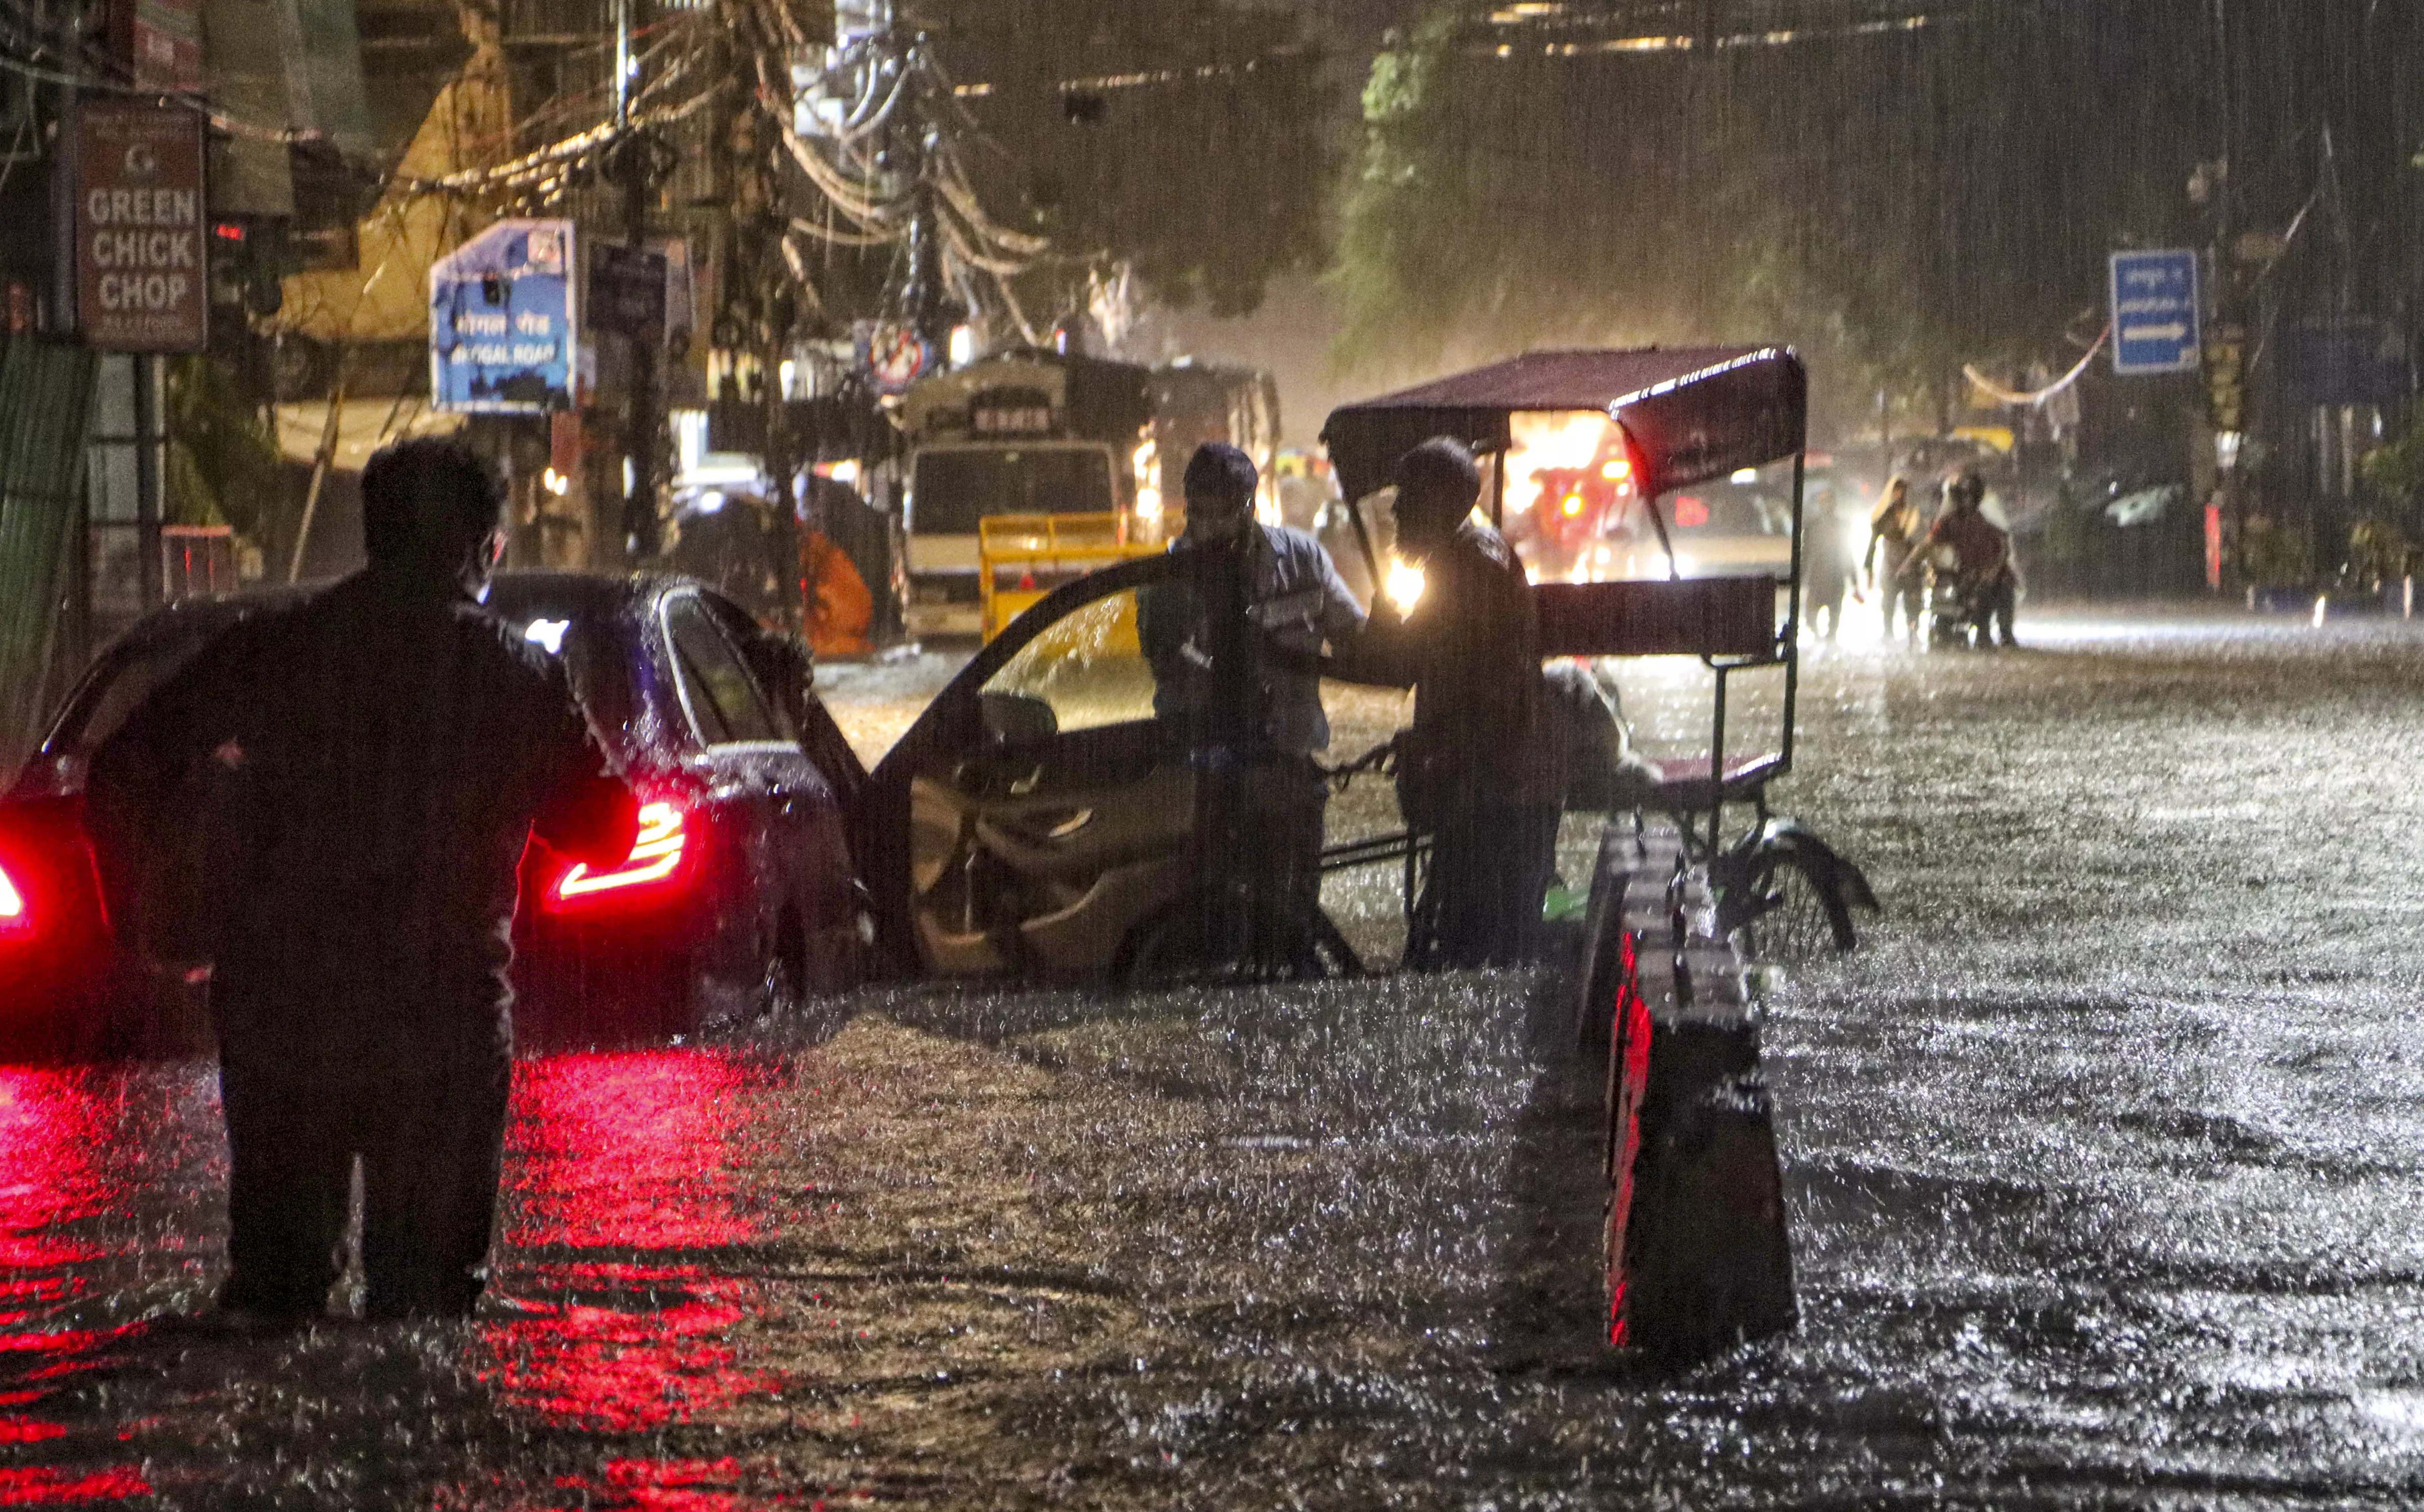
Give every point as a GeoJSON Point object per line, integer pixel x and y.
{"type": "Point", "coordinates": [369, 765]}
{"type": "Point", "coordinates": [1474, 772]}
{"type": "Point", "coordinates": [1236, 643]}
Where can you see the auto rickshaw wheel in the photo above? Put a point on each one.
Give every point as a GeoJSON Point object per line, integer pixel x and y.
{"type": "Point", "coordinates": [1790, 917]}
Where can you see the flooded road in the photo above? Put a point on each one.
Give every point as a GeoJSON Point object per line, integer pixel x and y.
{"type": "Point", "coordinates": [2103, 1157]}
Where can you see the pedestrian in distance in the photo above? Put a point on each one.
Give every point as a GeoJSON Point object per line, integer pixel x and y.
{"type": "Point", "coordinates": [1829, 573]}
{"type": "Point", "coordinates": [1235, 643]}
{"type": "Point", "coordinates": [1477, 770]}
{"type": "Point", "coordinates": [371, 764]}
{"type": "Point", "coordinates": [1894, 530]}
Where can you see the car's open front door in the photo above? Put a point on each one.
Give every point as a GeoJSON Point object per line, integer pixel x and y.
{"type": "Point", "coordinates": [1040, 810]}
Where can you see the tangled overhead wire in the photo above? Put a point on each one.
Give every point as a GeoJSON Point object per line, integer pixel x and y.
{"type": "Point", "coordinates": [873, 128]}
{"type": "Point", "coordinates": [884, 153]}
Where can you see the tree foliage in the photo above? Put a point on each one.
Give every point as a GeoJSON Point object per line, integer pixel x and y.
{"type": "Point", "coordinates": [223, 464]}
{"type": "Point", "coordinates": [1894, 200]}
{"type": "Point", "coordinates": [2396, 468]}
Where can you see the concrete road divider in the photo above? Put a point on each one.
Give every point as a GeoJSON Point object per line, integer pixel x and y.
{"type": "Point", "coordinates": [1697, 1255]}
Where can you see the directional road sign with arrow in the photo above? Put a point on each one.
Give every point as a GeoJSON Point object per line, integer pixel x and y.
{"type": "Point", "coordinates": [2155, 316]}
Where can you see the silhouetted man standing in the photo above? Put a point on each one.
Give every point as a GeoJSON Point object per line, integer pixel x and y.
{"type": "Point", "coordinates": [377, 758]}
{"type": "Point", "coordinates": [1235, 645]}
{"type": "Point", "coordinates": [1474, 772]}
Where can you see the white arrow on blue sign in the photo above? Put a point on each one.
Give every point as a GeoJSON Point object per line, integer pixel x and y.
{"type": "Point", "coordinates": [2156, 319]}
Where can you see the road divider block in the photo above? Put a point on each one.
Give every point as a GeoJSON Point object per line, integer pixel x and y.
{"type": "Point", "coordinates": [1697, 1254]}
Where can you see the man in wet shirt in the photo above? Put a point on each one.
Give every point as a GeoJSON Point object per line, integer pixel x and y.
{"type": "Point", "coordinates": [1236, 643]}
{"type": "Point", "coordinates": [376, 760]}
{"type": "Point", "coordinates": [1476, 771]}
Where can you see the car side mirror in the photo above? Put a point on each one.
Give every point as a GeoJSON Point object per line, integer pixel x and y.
{"type": "Point", "coordinates": [1016, 719]}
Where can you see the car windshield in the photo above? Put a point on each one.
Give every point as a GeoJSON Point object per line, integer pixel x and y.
{"type": "Point", "coordinates": [955, 488]}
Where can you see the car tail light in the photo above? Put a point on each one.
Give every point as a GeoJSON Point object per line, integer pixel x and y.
{"type": "Point", "coordinates": [656, 863]}
{"type": "Point", "coordinates": [15, 917]}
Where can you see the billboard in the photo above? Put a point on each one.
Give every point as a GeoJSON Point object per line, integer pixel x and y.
{"type": "Point", "coordinates": [502, 321]}
{"type": "Point", "coordinates": [139, 246]}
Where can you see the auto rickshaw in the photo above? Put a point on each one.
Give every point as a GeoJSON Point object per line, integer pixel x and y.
{"type": "Point", "coordinates": [1696, 1250]}
{"type": "Point", "coordinates": [1681, 417]}
{"type": "Point", "coordinates": [1036, 819]}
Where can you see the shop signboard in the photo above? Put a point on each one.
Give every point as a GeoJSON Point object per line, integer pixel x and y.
{"type": "Point", "coordinates": [140, 242]}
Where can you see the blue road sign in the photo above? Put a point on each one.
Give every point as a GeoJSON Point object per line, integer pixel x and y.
{"type": "Point", "coordinates": [500, 321]}
{"type": "Point", "coordinates": [2156, 321]}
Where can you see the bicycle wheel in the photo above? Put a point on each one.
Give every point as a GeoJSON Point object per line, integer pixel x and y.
{"type": "Point", "coordinates": [1790, 918]}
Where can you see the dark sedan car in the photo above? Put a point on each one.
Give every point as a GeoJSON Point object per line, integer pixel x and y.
{"type": "Point", "coordinates": [739, 896]}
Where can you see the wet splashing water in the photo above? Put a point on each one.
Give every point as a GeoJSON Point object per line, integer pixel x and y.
{"type": "Point", "coordinates": [2102, 1159]}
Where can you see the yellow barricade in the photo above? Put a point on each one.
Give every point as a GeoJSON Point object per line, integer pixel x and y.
{"type": "Point", "coordinates": [1037, 553]}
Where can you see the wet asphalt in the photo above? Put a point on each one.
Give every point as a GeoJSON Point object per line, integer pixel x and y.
{"type": "Point", "coordinates": [2103, 1158]}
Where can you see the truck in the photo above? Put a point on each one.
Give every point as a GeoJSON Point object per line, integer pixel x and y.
{"type": "Point", "coordinates": [1031, 468]}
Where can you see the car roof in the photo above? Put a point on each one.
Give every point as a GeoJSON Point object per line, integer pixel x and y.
{"type": "Point", "coordinates": [515, 596]}
{"type": "Point", "coordinates": [573, 594]}
{"type": "Point", "coordinates": [205, 617]}
{"type": "Point", "coordinates": [511, 595]}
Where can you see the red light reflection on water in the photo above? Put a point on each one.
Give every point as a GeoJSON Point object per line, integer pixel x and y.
{"type": "Point", "coordinates": [617, 1173]}
{"type": "Point", "coordinates": [41, 1486]}
{"type": "Point", "coordinates": [667, 1485]}
{"type": "Point", "coordinates": [54, 1130]}
{"type": "Point", "coordinates": [51, 1126]}
{"type": "Point", "coordinates": [625, 1150]}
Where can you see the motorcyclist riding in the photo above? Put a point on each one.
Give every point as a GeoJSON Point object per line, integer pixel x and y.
{"type": "Point", "coordinates": [1985, 581]}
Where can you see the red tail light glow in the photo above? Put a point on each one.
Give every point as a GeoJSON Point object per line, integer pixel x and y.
{"type": "Point", "coordinates": [655, 861]}
{"type": "Point", "coordinates": [14, 915]}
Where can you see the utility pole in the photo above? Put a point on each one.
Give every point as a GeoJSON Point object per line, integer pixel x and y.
{"type": "Point", "coordinates": [757, 294]}
{"type": "Point", "coordinates": [916, 142]}
{"type": "Point", "coordinates": [929, 317]}
{"type": "Point", "coordinates": [150, 443]}
{"type": "Point", "coordinates": [636, 168]}
{"type": "Point", "coordinates": [2223, 438]}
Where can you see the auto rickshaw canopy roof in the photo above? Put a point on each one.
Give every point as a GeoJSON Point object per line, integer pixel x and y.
{"type": "Point", "coordinates": [1693, 412]}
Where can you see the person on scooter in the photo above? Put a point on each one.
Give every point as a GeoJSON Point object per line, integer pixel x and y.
{"type": "Point", "coordinates": [1983, 571]}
